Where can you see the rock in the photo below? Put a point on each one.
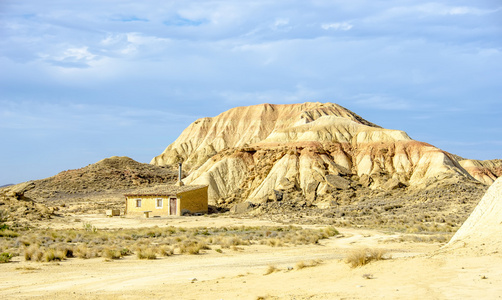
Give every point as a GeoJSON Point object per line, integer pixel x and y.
{"type": "Point", "coordinates": [242, 207]}
{"type": "Point", "coordinates": [276, 195]}
{"type": "Point", "coordinates": [337, 182]}
{"type": "Point", "coordinates": [482, 231]}
{"type": "Point", "coordinates": [303, 147]}
{"type": "Point", "coordinates": [393, 184]}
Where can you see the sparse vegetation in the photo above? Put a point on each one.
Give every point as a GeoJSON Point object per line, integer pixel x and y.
{"type": "Point", "coordinates": [89, 227]}
{"type": "Point", "coordinates": [271, 269]}
{"type": "Point", "coordinates": [5, 257]}
{"type": "Point", "coordinates": [148, 243]}
{"type": "Point", "coordinates": [312, 263]}
{"type": "Point", "coordinates": [361, 257]}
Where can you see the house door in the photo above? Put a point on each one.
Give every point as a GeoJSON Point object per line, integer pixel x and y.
{"type": "Point", "coordinates": [172, 206]}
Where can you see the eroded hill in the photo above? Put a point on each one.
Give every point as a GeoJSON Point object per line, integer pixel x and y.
{"type": "Point", "coordinates": [322, 158]}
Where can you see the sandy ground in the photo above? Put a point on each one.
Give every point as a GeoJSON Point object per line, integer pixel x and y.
{"type": "Point", "coordinates": [416, 270]}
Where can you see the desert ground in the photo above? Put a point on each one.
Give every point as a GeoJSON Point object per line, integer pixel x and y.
{"type": "Point", "coordinates": [411, 269]}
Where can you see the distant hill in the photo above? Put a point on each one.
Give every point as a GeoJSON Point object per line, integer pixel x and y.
{"type": "Point", "coordinates": [110, 174]}
{"type": "Point", "coordinates": [6, 185]}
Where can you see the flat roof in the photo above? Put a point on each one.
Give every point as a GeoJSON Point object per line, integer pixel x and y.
{"type": "Point", "coordinates": [164, 190]}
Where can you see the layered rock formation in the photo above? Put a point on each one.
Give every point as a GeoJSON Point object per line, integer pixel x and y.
{"type": "Point", "coordinates": [240, 126]}
{"type": "Point", "coordinates": [267, 151]}
{"type": "Point", "coordinates": [486, 171]}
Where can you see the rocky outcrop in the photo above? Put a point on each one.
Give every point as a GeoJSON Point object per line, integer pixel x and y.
{"type": "Point", "coordinates": [313, 148]}
{"type": "Point", "coordinates": [242, 126]}
{"type": "Point", "coordinates": [482, 231]}
{"type": "Point", "coordinates": [17, 208]}
{"type": "Point", "coordinates": [486, 171]}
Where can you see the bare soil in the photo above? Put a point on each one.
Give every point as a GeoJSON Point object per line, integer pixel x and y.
{"type": "Point", "coordinates": [415, 271]}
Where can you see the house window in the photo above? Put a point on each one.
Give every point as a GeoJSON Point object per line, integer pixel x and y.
{"type": "Point", "coordinates": [158, 203]}
{"type": "Point", "coordinates": [138, 202]}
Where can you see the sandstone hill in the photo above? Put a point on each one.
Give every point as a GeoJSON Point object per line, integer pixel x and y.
{"type": "Point", "coordinates": [321, 161]}
{"type": "Point", "coordinates": [316, 148]}
{"type": "Point", "coordinates": [91, 189]}
{"type": "Point", "coordinates": [486, 171]}
{"type": "Point", "coordinates": [16, 207]}
{"type": "Point", "coordinates": [482, 231]}
{"type": "Point", "coordinates": [114, 173]}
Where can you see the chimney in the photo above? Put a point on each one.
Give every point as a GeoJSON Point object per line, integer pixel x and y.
{"type": "Point", "coordinates": [179, 183]}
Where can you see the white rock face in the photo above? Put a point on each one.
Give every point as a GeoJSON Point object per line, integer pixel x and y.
{"type": "Point", "coordinates": [244, 125]}
{"type": "Point", "coordinates": [261, 148]}
{"type": "Point", "coordinates": [483, 229]}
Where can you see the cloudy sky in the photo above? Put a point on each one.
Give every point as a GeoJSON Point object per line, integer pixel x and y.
{"type": "Point", "coordinates": [84, 80]}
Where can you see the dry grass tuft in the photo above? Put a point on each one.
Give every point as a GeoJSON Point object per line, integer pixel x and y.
{"type": "Point", "coordinates": [146, 253]}
{"type": "Point", "coordinates": [112, 253]}
{"type": "Point", "coordinates": [271, 269]}
{"type": "Point", "coordinates": [312, 263]}
{"type": "Point", "coordinates": [361, 257]}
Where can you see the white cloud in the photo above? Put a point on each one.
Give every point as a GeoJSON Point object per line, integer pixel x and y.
{"type": "Point", "coordinates": [299, 94]}
{"type": "Point", "coordinates": [54, 117]}
{"type": "Point", "coordinates": [383, 102]}
{"type": "Point", "coordinates": [71, 57]}
{"type": "Point", "coordinates": [344, 26]}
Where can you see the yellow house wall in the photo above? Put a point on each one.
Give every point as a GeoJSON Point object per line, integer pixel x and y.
{"type": "Point", "coordinates": [148, 203]}
{"type": "Point", "coordinates": [194, 201]}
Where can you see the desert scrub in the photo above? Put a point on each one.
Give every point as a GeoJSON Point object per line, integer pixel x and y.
{"type": "Point", "coordinates": [271, 269]}
{"type": "Point", "coordinates": [164, 241]}
{"type": "Point", "coordinates": [312, 263]}
{"type": "Point", "coordinates": [146, 253]}
{"type": "Point", "coordinates": [5, 257]}
{"type": "Point", "coordinates": [361, 257]}
{"type": "Point", "coordinates": [89, 228]}
{"type": "Point", "coordinates": [112, 253]}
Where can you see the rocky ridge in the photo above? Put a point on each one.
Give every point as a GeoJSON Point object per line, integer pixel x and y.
{"type": "Point", "coordinates": [486, 171]}
{"type": "Point", "coordinates": [314, 148]}
{"type": "Point", "coordinates": [114, 173]}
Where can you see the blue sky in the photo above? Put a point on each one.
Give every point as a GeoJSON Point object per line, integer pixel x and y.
{"type": "Point", "coordinates": [84, 80]}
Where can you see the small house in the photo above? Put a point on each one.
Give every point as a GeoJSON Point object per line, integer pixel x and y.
{"type": "Point", "coordinates": [167, 200]}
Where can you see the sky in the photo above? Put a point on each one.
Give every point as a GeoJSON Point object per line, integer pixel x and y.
{"type": "Point", "coordinates": [84, 80]}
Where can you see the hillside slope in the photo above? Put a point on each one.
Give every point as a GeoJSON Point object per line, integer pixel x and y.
{"type": "Point", "coordinates": [240, 126]}
{"type": "Point", "coordinates": [486, 171]}
{"type": "Point", "coordinates": [315, 148]}
{"type": "Point", "coordinates": [110, 174]}
{"type": "Point", "coordinates": [482, 231]}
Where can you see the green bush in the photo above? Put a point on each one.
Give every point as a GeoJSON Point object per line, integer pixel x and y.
{"type": "Point", "coordinates": [5, 257]}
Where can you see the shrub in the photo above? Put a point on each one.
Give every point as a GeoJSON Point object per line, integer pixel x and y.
{"type": "Point", "coordinates": [146, 253]}
{"type": "Point", "coordinates": [301, 264]}
{"type": "Point", "coordinates": [271, 269]}
{"type": "Point", "coordinates": [330, 231]}
{"type": "Point", "coordinates": [4, 215]}
{"type": "Point", "coordinates": [54, 255]}
{"type": "Point", "coordinates": [361, 257]}
{"type": "Point", "coordinates": [8, 233]}
{"type": "Point", "coordinates": [89, 228]}
{"type": "Point", "coordinates": [165, 250]}
{"type": "Point", "coordinates": [5, 257]}
{"type": "Point", "coordinates": [112, 253]}
{"type": "Point", "coordinates": [125, 252]}
{"type": "Point", "coordinates": [33, 253]}
{"type": "Point", "coordinates": [82, 251]}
